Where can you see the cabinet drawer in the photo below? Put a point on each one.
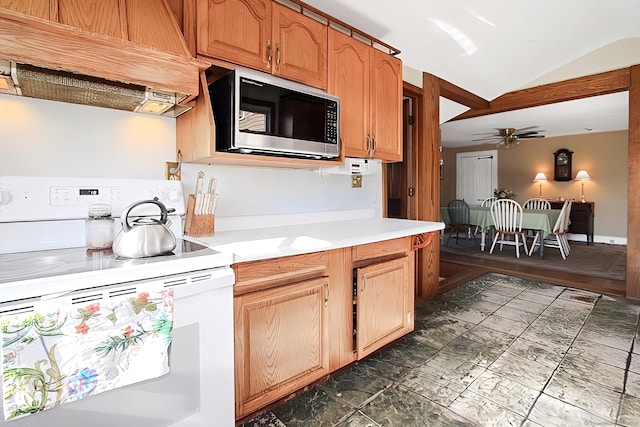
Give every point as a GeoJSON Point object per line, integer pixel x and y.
{"type": "Point", "coordinates": [381, 249]}
{"type": "Point", "coordinates": [257, 275]}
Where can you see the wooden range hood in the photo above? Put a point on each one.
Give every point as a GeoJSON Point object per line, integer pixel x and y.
{"type": "Point", "coordinates": [132, 43]}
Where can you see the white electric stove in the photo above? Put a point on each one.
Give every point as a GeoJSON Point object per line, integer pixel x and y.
{"type": "Point", "coordinates": [43, 257]}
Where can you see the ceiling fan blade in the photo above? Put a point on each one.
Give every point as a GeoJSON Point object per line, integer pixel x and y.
{"type": "Point", "coordinates": [488, 139]}
{"type": "Point", "coordinates": [486, 133]}
{"type": "Point", "coordinates": [532, 136]}
{"type": "Point", "coordinates": [527, 128]}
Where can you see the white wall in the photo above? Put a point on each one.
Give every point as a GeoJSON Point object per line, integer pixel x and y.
{"type": "Point", "coordinates": [46, 138]}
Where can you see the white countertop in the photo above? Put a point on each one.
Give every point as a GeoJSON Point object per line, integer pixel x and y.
{"type": "Point", "coordinates": [273, 242]}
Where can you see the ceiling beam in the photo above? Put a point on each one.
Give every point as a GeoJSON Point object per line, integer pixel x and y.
{"type": "Point", "coordinates": [457, 94]}
{"type": "Point", "coordinates": [567, 90]}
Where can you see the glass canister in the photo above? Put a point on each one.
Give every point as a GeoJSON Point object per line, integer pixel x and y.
{"type": "Point", "coordinates": [100, 227]}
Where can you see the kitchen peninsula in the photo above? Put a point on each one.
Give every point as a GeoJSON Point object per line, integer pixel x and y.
{"type": "Point", "coordinates": [312, 298]}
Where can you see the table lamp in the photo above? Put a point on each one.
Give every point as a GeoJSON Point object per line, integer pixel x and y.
{"type": "Point", "coordinates": [582, 176]}
{"type": "Point", "coordinates": [540, 178]}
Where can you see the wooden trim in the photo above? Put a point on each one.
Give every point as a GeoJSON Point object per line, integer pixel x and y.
{"type": "Point", "coordinates": [392, 50]}
{"type": "Point", "coordinates": [461, 96]}
{"type": "Point", "coordinates": [567, 90]}
{"type": "Point", "coordinates": [411, 90]}
{"type": "Point", "coordinates": [427, 195]}
{"type": "Point", "coordinates": [633, 209]}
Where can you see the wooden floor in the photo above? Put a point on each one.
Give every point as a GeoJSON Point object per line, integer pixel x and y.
{"type": "Point", "coordinates": [458, 269]}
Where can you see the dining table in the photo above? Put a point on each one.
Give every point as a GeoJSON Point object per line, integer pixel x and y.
{"type": "Point", "coordinates": [542, 220]}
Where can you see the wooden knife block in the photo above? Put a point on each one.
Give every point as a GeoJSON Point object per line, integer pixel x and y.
{"type": "Point", "coordinates": [197, 225]}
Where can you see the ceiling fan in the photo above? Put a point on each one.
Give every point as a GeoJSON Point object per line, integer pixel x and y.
{"type": "Point", "coordinates": [509, 137]}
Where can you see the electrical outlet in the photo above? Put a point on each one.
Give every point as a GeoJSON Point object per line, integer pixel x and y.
{"type": "Point", "coordinates": [172, 166]}
{"type": "Point", "coordinates": [356, 181]}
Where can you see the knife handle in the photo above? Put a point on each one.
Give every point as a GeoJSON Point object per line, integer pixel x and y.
{"type": "Point", "coordinates": [199, 182]}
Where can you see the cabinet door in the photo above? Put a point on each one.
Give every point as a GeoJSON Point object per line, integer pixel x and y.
{"type": "Point", "coordinates": [281, 342]}
{"type": "Point", "coordinates": [300, 47]}
{"type": "Point", "coordinates": [384, 304]}
{"type": "Point", "coordinates": [349, 62]}
{"type": "Point", "coordinates": [237, 31]}
{"type": "Point", "coordinates": [386, 106]}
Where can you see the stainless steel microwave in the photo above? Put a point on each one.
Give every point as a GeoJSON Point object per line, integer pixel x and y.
{"type": "Point", "coordinates": [261, 114]}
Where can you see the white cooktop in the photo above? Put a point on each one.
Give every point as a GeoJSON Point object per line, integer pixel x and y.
{"type": "Point", "coordinates": [39, 273]}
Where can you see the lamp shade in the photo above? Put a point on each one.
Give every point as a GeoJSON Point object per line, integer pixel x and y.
{"type": "Point", "coordinates": [582, 176]}
{"type": "Point", "coordinates": [540, 177]}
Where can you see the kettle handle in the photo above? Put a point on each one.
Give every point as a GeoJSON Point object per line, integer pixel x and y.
{"type": "Point", "coordinates": [125, 214]}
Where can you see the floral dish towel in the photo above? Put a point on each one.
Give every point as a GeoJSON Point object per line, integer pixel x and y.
{"type": "Point", "coordinates": [61, 352]}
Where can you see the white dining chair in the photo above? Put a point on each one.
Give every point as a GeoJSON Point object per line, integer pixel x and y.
{"type": "Point", "coordinates": [485, 203]}
{"type": "Point", "coordinates": [507, 220]}
{"type": "Point", "coordinates": [536, 203]}
{"type": "Point", "coordinates": [558, 237]}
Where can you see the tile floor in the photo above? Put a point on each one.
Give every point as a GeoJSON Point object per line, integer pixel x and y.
{"type": "Point", "coordinates": [497, 351]}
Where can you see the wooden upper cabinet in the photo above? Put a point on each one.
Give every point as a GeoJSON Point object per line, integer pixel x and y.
{"type": "Point", "coordinates": [300, 45]}
{"type": "Point", "coordinates": [237, 31]}
{"type": "Point", "coordinates": [349, 63]}
{"type": "Point", "coordinates": [369, 84]}
{"type": "Point", "coordinates": [386, 106]}
{"type": "Point", "coordinates": [264, 36]}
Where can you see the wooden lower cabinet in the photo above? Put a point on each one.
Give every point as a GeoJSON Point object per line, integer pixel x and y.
{"type": "Point", "coordinates": [280, 342]}
{"type": "Point", "coordinates": [384, 304]}
{"type": "Point", "coordinates": [300, 318]}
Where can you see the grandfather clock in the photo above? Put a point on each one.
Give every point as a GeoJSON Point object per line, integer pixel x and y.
{"type": "Point", "coordinates": [562, 165]}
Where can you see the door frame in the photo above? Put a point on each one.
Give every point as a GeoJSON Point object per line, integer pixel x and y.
{"type": "Point", "coordinates": [409, 154]}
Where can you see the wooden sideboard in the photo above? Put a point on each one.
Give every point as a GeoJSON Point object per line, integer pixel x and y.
{"type": "Point", "coordinates": [581, 218]}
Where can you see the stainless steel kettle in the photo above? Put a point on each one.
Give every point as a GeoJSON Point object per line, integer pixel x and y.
{"type": "Point", "coordinates": [144, 236]}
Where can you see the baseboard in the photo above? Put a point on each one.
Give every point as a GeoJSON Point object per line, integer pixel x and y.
{"type": "Point", "coordinates": [611, 240]}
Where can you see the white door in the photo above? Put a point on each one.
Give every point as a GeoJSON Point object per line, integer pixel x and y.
{"type": "Point", "coordinates": [476, 175]}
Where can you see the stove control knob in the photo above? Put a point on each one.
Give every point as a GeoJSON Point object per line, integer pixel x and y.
{"type": "Point", "coordinates": [5, 197]}
{"type": "Point", "coordinates": [173, 195]}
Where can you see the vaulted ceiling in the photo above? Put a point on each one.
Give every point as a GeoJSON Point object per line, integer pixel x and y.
{"type": "Point", "coordinates": [490, 48]}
